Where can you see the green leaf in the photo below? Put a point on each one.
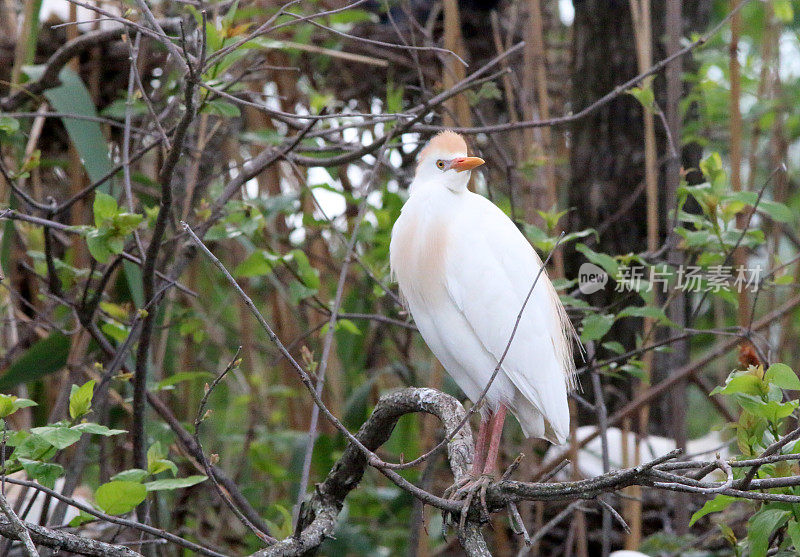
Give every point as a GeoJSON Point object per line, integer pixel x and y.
{"type": "Point", "coordinates": [132, 475]}
{"type": "Point", "coordinates": [771, 410]}
{"type": "Point", "coordinates": [761, 526]}
{"type": "Point", "coordinates": [221, 108]}
{"type": "Point", "coordinates": [784, 12]}
{"type": "Point", "coordinates": [299, 291]}
{"type": "Point", "coordinates": [737, 383]}
{"type": "Point", "coordinates": [97, 429]}
{"type": "Point", "coordinates": [793, 529]}
{"type": "Point", "coordinates": [8, 125]}
{"type": "Point", "coordinates": [80, 399]}
{"type": "Point", "coordinates": [97, 242]}
{"type": "Point", "coordinates": [31, 447]}
{"type": "Point", "coordinates": [608, 263]}
{"type": "Point", "coordinates": [782, 376]}
{"type": "Point", "coordinates": [125, 223]}
{"type": "Point", "coordinates": [595, 326]}
{"type": "Point", "coordinates": [161, 465]}
{"type": "Point", "coordinates": [157, 461]}
{"type": "Point", "coordinates": [644, 95]}
{"type": "Point", "coordinates": [60, 437]}
{"type": "Point", "coordinates": [712, 169]}
{"type": "Point", "coordinates": [174, 483]}
{"type": "Point", "coordinates": [715, 505]}
{"type": "Point", "coordinates": [119, 497]}
{"type": "Point", "coordinates": [72, 97]}
{"type": "Point", "coordinates": [182, 376]}
{"type": "Point", "coordinates": [308, 274]}
{"type": "Point", "coordinates": [82, 518]}
{"type": "Point", "coordinates": [776, 211]}
{"type": "Point", "coordinates": [42, 358]}
{"type": "Point", "coordinates": [614, 346]}
{"type": "Point", "coordinates": [653, 312]}
{"type": "Point", "coordinates": [46, 473]}
{"type": "Point", "coordinates": [11, 403]}
{"type": "Point", "coordinates": [263, 137]}
{"type": "Point", "coordinates": [105, 208]}
{"type": "Point", "coordinates": [347, 325]}
{"type": "Point", "coordinates": [350, 16]}
{"type": "Point", "coordinates": [258, 263]}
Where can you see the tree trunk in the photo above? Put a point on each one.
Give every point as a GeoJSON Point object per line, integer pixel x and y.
{"type": "Point", "coordinates": [607, 148]}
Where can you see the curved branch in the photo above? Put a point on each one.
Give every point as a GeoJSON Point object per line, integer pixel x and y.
{"type": "Point", "coordinates": [318, 514]}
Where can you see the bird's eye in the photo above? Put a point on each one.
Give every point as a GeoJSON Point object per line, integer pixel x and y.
{"type": "Point", "coordinates": [440, 164]}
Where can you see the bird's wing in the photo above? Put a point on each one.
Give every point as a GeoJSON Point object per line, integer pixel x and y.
{"type": "Point", "coordinates": [490, 269]}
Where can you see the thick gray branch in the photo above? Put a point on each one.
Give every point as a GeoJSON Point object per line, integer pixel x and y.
{"type": "Point", "coordinates": [318, 516]}
{"type": "Point", "coordinates": [65, 541]}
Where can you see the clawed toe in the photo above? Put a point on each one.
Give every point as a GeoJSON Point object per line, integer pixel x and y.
{"type": "Point", "coordinates": [465, 490]}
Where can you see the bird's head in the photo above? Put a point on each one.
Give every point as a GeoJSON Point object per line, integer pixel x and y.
{"type": "Point", "coordinates": [444, 161]}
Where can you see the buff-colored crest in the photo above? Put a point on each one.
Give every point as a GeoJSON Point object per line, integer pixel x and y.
{"type": "Point", "coordinates": [445, 142]}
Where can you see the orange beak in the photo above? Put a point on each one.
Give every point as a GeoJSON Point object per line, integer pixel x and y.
{"type": "Point", "coordinates": [466, 163]}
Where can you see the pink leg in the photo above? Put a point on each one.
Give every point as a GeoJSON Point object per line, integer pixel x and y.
{"type": "Point", "coordinates": [479, 458]}
{"type": "Point", "coordinates": [494, 441]}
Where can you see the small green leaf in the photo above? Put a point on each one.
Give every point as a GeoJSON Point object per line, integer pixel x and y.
{"type": "Point", "coordinates": [783, 11]}
{"type": "Point", "coordinates": [740, 383]}
{"type": "Point", "coordinates": [161, 465]}
{"type": "Point", "coordinates": [793, 529]}
{"type": "Point", "coordinates": [31, 447]}
{"type": "Point", "coordinates": [182, 376]}
{"type": "Point", "coordinates": [97, 242]}
{"type": "Point", "coordinates": [776, 211]}
{"type": "Point", "coordinates": [652, 312]}
{"type": "Point", "coordinates": [258, 263]}
{"type": "Point", "coordinates": [614, 346]}
{"type": "Point", "coordinates": [82, 518]}
{"type": "Point", "coordinates": [221, 108]}
{"type": "Point", "coordinates": [608, 263]}
{"type": "Point", "coordinates": [80, 399]}
{"type": "Point", "coordinates": [157, 460]}
{"type": "Point", "coordinates": [46, 473]}
{"type": "Point", "coordinates": [60, 437]}
{"type": "Point", "coordinates": [11, 403]}
{"type": "Point", "coordinates": [97, 429]}
{"type": "Point", "coordinates": [715, 505]}
{"type": "Point", "coordinates": [8, 125]}
{"type": "Point", "coordinates": [125, 223]}
{"type": "Point", "coordinates": [349, 326]}
{"type": "Point", "coordinates": [712, 169]}
{"type": "Point", "coordinates": [132, 475]}
{"type": "Point", "coordinates": [644, 95]}
{"type": "Point", "coordinates": [308, 274]}
{"type": "Point", "coordinates": [761, 526]}
{"type": "Point", "coordinates": [174, 483]}
{"type": "Point", "coordinates": [105, 208]}
{"type": "Point", "coordinates": [595, 326]}
{"type": "Point", "coordinates": [299, 291]}
{"type": "Point", "coordinates": [42, 358]}
{"type": "Point", "coordinates": [782, 376]}
{"type": "Point", "coordinates": [119, 497]}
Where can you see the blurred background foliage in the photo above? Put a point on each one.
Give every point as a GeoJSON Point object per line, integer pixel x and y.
{"type": "Point", "coordinates": [285, 234]}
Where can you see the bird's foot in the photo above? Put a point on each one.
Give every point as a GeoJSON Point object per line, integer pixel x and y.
{"type": "Point", "coordinates": [466, 490]}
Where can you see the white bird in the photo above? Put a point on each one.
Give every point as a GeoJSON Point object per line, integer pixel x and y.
{"type": "Point", "coordinates": [464, 270]}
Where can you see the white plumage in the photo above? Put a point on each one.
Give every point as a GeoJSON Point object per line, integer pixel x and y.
{"type": "Point", "coordinates": [464, 270]}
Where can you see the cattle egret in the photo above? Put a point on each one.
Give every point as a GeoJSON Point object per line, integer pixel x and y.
{"type": "Point", "coordinates": [464, 270]}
